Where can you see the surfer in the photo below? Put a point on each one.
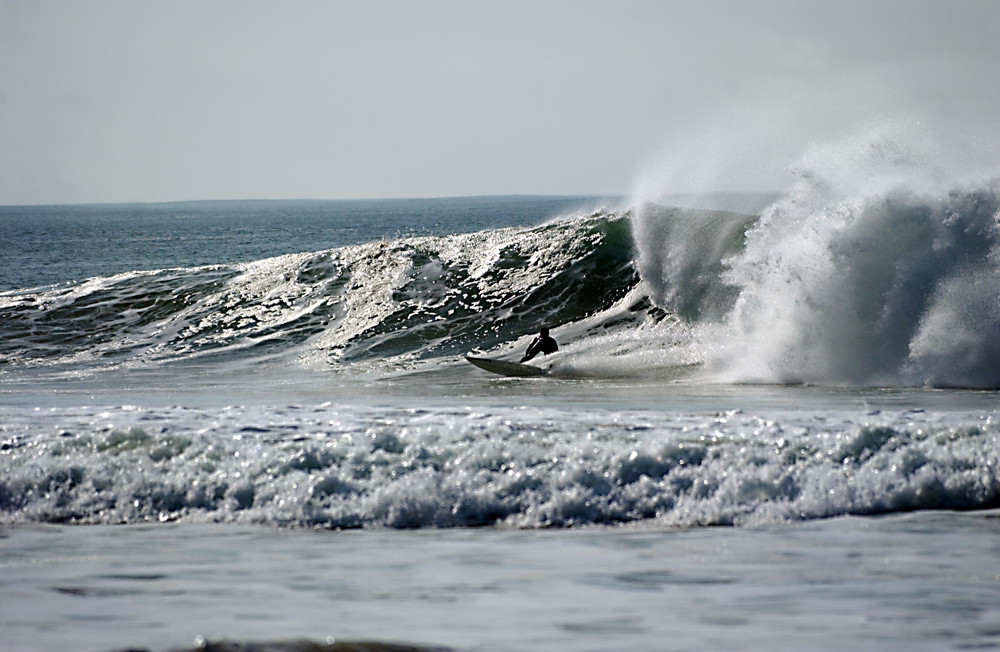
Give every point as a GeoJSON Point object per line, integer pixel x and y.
{"type": "Point", "coordinates": [542, 344]}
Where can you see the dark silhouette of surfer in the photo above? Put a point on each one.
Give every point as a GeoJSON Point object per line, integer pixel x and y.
{"type": "Point", "coordinates": [542, 344]}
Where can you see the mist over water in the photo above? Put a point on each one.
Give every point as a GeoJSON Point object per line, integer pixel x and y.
{"type": "Point", "coordinates": [877, 266]}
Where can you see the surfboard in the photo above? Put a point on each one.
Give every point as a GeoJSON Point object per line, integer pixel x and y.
{"type": "Point", "coordinates": [505, 368]}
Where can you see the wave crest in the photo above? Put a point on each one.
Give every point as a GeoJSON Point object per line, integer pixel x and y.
{"type": "Point", "coordinates": [895, 288]}
{"type": "Point", "coordinates": [869, 270]}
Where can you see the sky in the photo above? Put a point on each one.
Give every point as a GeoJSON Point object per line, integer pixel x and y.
{"type": "Point", "coordinates": [147, 101]}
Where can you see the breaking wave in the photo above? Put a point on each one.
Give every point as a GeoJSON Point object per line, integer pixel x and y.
{"type": "Point", "coordinates": [871, 270]}
{"type": "Point", "coordinates": [866, 272]}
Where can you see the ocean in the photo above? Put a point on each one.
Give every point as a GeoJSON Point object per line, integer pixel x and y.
{"type": "Point", "coordinates": [772, 423]}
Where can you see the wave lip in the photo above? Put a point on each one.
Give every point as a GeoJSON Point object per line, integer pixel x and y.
{"type": "Point", "coordinates": [878, 266]}
{"type": "Point", "coordinates": [899, 288]}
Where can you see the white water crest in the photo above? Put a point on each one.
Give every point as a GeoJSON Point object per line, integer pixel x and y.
{"type": "Point", "coordinates": [876, 267]}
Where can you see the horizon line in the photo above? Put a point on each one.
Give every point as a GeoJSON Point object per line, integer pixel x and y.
{"type": "Point", "coordinates": [590, 196]}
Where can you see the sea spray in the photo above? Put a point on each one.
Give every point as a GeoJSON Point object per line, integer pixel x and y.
{"type": "Point", "coordinates": [875, 267]}
{"type": "Point", "coordinates": [838, 288]}
{"type": "Point", "coordinates": [681, 254]}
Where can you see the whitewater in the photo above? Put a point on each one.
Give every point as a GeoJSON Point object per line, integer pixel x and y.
{"type": "Point", "coordinates": [772, 422]}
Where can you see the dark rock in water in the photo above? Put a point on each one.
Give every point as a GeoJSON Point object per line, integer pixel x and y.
{"type": "Point", "coordinates": [311, 646]}
{"type": "Point", "coordinates": [308, 646]}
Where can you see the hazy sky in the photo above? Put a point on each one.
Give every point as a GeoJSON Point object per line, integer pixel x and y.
{"type": "Point", "coordinates": [174, 100]}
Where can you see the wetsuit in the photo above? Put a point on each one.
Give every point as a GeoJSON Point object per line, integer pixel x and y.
{"type": "Point", "coordinates": [542, 344]}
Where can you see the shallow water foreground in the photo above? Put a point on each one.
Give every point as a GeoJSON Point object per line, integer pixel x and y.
{"type": "Point", "coordinates": [928, 580]}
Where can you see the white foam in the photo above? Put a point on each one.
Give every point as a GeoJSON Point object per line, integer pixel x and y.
{"type": "Point", "coordinates": [355, 466]}
{"type": "Point", "coordinates": [877, 267]}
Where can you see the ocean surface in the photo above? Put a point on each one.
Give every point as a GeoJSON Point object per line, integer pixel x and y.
{"type": "Point", "coordinates": [772, 423]}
